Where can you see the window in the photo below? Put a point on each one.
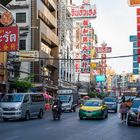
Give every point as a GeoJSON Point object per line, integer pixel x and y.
{"type": "Point", "coordinates": [26, 99]}
{"type": "Point", "coordinates": [37, 98]}
{"type": "Point", "coordinates": [22, 45]}
{"type": "Point", "coordinates": [20, 17]}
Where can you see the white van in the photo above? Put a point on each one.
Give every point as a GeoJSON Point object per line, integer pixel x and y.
{"type": "Point", "coordinates": [22, 105]}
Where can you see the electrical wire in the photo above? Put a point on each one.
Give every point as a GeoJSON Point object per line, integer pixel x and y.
{"type": "Point", "coordinates": [113, 57]}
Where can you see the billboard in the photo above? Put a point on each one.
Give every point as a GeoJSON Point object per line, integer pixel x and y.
{"type": "Point", "coordinates": [9, 38]}
{"type": "Point", "coordinates": [134, 2]}
{"type": "Point", "coordinates": [28, 56]}
{"type": "Point", "coordinates": [100, 78]}
{"type": "Point", "coordinates": [83, 11]}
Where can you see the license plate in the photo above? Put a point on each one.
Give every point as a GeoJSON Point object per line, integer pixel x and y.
{"type": "Point", "coordinates": [89, 114]}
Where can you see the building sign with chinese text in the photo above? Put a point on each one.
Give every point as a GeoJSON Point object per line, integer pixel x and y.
{"type": "Point", "coordinates": [9, 38]}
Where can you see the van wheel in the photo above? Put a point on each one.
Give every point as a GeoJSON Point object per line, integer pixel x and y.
{"type": "Point", "coordinates": [5, 119]}
{"type": "Point", "coordinates": [40, 116]}
{"type": "Point", "coordinates": [74, 109]}
{"type": "Point", "coordinates": [27, 116]}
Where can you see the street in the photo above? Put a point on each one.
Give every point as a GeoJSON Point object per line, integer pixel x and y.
{"type": "Point", "coordinates": [68, 128]}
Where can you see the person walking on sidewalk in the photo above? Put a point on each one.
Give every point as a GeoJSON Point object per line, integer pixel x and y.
{"type": "Point", "coordinates": [123, 110]}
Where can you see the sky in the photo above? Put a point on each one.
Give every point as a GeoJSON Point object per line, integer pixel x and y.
{"type": "Point", "coordinates": [114, 23]}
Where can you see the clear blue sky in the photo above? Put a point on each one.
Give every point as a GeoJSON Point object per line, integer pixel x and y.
{"type": "Point", "coordinates": [115, 22]}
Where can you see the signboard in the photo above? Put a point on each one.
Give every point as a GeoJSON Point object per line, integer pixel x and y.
{"type": "Point", "coordinates": [134, 2]}
{"type": "Point", "coordinates": [84, 11]}
{"type": "Point", "coordinates": [103, 49]}
{"type": "Point", "coordinates": [5, 2]}
{"type": "Point", "coordinates": [67, 91]}
{"type": "Point", "coordinates": [133, 38]}
{"type": "Point", "coordinates": [9, 38]}
{"type": "Point", "coordinates": [100, 78]}
{"type": "Point", "coordinates": [28, 56]}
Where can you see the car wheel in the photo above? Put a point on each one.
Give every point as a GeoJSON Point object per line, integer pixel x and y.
{"type": "Point", "coordinates": [5, 119]}
{"type": "Point", "coordinates": [40, 116]}
{"type": "Point", "coordinates": [115, 110]}
{"type": "Point", "coordinates": [106, 116]}
{"type": "Point", "coordinates": [27, 116]}
{"type": "Point", "coordinates": [81, 118]}
{"type": "Point", "coordinates": [128, 122]}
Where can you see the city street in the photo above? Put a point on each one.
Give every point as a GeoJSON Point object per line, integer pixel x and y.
{"type": "Point", "coordinates": [68, 128]}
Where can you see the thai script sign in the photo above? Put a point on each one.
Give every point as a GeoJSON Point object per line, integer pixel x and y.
{"type": "Point", "coordinates": [84, 11]}
{"type": "Point", "coordinates": [9, 38]}
{"type": "Point", "coordinates": [28, 56]}
{"type": "Point", "coordinates": [134, 2]}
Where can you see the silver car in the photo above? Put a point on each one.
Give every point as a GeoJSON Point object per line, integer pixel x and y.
{"type": "Point", "coordinates": [22, 105]}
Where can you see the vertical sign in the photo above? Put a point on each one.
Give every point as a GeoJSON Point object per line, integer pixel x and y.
{"type": "Point", "coordinates": [86, 45]}
{"type": "Point", "coordinates": [138, 32]}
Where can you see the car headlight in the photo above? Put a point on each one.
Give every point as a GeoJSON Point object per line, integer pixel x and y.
{"type": "Point", "coordinates": [132, 113]}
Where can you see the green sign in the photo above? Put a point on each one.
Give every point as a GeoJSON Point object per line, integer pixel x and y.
{"type": "Point", "coordinates": [5, 2]}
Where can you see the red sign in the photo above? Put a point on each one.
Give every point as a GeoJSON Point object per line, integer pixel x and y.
{"type": "Point", "coordinates": [103, 49]}
{"type": "Point", "coordinates": [84, 11]}
{"type": "Point", "coordinates": [9, 38]}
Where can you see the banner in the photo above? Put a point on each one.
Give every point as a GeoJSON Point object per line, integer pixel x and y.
{"type": "Point", "coordinates": [9, 38]}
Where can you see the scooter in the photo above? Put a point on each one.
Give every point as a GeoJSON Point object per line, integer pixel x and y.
{"type": "Point", "coordinates": [56, 112]}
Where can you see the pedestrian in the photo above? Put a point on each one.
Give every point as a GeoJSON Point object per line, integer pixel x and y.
{"type": "Point", "coordinates": [123, 110]}
{"type": "Point", "coordinates": [138, 116]}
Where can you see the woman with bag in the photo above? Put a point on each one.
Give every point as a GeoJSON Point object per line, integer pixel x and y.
{"type": "Point", "coordinates": [123, 110]}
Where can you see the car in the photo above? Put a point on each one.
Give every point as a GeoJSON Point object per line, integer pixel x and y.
{"type": "Point", "coordinates": [133, 112]}
{"type": "Point", "coordinates": [93, 108]}
{"type": "Point", "coordinates": [22, 105]}
{"type": "Point", "coordinates": [111, 103]}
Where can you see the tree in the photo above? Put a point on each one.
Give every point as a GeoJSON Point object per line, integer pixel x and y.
{"type": "Point", "coordinates": [23, 85]}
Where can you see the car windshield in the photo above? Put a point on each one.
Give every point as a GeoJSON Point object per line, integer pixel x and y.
{"type": "Point", "coordinates": [92, 103]}
{"type": "Point", "coordinates": [64, 98]}
{"type": "Point", "coordinates": [109, 100]}
{"type": "Point", "coordinates": [12, 98]}
{"type": "Point", "coordinates": [136, 104]}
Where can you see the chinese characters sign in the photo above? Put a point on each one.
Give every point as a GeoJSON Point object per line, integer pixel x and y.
{"type": "Point", "coordinates": [86, 46]}
{"type": "Point", "coordinates": [84, 11]}
{"type": "Point", "coordinates": [9, 38]}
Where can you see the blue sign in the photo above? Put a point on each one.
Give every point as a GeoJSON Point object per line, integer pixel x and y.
{"type": "Point", "coordinates": [135, 65]}
{"type": "Point", "coordinates": [135, 51]}
{"type": "Point", "coordinates": [135, 46]}
{"type": "Point", "coordinates": [135, 58]}
{"type": "Point", "coordinates": [135, 71]}
{"type": "Point", "coordinates": [100, 78]}
{"type": "Point", "coordinates": [133, 38]}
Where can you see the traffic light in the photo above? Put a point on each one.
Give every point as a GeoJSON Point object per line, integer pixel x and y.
{"type": "Point", "coordinates": [5, 2]}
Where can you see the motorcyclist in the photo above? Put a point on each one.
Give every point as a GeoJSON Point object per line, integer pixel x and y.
{"type": "Point", "coordinates": [58, 103]}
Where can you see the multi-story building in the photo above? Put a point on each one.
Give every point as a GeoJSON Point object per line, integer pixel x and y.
{"type": "Point", "coordinates": [37, 21]}
{"type": "Point", "coordinates": [65, 29]}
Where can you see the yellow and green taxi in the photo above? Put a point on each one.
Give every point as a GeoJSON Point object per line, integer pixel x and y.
{"type": "Point", "coordinates": [93, 108]}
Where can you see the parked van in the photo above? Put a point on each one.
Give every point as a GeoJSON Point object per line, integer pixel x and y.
{"type": "Point", "coordinates": [22, 105]}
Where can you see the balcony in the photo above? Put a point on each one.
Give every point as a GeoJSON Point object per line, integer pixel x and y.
{"type": "Point", "coordinates": [48, 35]}
{"type": "Point", "coordinates": [52, 63]}
{"type": "Point", "coordinates": [48, 18]}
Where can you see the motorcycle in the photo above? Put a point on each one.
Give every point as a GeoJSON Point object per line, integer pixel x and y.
{"type": "Point", "coordinates": [56, 112]}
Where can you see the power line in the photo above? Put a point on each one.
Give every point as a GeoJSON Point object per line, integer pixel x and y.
{"type": "Point", "coordinates": [112, 57]}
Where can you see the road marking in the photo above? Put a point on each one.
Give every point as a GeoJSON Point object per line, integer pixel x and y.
{"type": "Point", "coordinates": [12, 138]}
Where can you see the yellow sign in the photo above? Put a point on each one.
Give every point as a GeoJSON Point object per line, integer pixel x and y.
{"type": "Point", "coordinates": [93, 65]}
{"type": "Point", "coordinates": [134, 2]}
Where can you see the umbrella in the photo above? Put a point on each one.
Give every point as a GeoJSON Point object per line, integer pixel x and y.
{"type": "Point", "coordinates": [47, 96]}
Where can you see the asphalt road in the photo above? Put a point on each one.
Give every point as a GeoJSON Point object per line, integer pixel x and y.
{"type": "Point", "coordinates": [69, 128]}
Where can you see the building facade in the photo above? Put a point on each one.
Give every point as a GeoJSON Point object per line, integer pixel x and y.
{"type": "Point", "coordinates": [37, 21]}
